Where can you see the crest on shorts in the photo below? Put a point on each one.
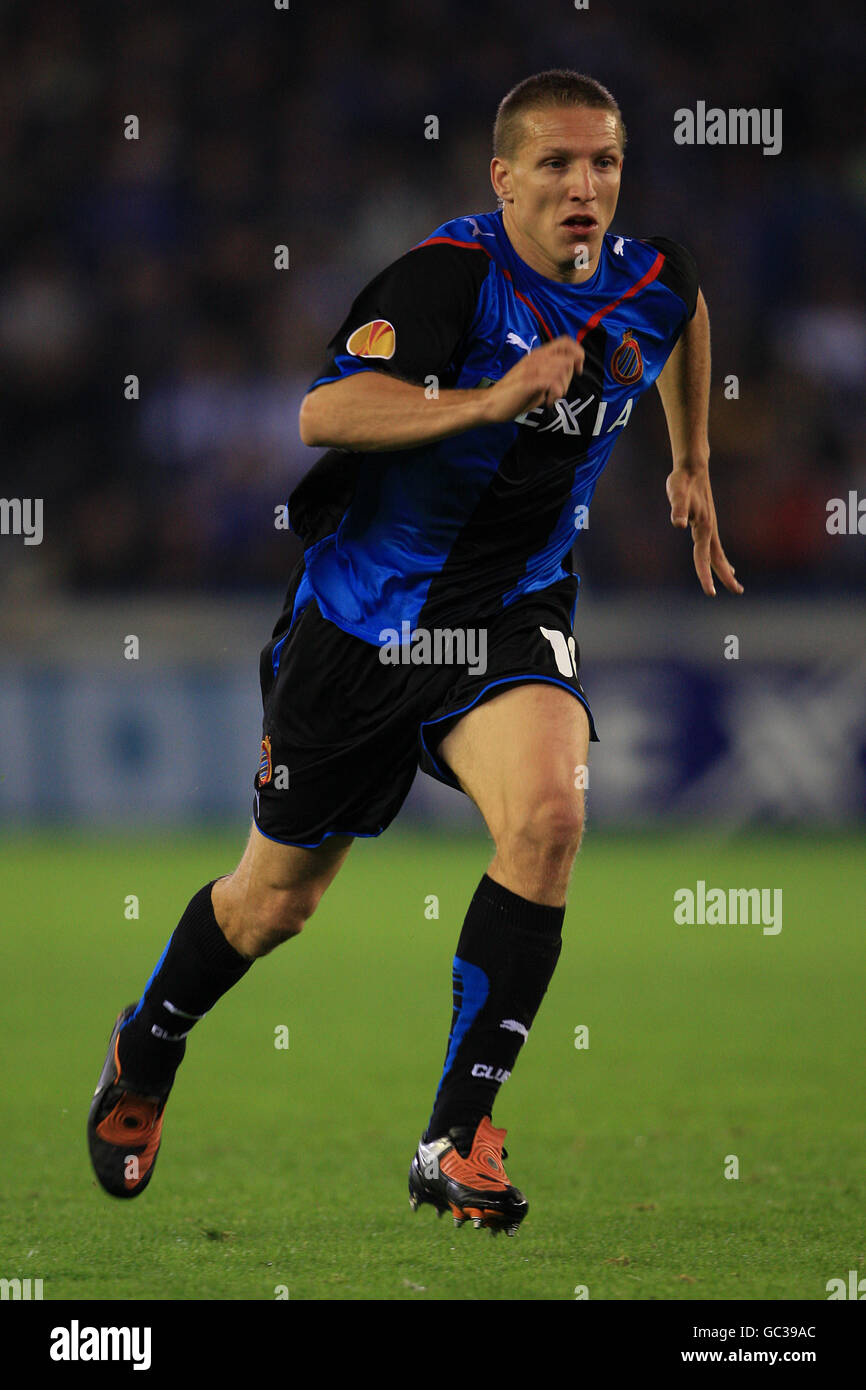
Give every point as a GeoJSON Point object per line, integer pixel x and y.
{"type": "Point", "coordinates": [626, 364]}
{"type": "Point", "coordinates": [266, 770]}
{"type": "Point", "coordinates": [378, 338]}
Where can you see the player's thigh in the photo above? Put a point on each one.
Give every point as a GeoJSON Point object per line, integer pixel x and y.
{"type": "Point", "coordinates": [271, 874]}
{"type": "Point", "coordinates": [520, 757]}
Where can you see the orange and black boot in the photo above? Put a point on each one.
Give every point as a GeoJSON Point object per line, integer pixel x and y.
{"type": "Point", "coordinates": [124, 1127]}
{"type": "Point", "coordinates": [471, 1184]}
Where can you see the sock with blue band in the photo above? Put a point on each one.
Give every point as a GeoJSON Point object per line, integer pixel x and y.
{"type": "Point", "coordinates": [506, 956]}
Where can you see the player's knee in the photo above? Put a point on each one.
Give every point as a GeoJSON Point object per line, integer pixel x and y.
{"type": "Point", "coordinates": [258, 922]}
{"type": "Point", "coordinates": [282, 914]}
{"type": "Point", "coordinates": [548, 829]}
{"type": "Point", "coordinates": [274, 923]}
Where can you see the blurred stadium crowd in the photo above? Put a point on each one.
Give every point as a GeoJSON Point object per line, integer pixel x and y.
{"type": "Point", "coordinates": [305, 127]}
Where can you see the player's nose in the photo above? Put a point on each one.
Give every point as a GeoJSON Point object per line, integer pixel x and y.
{"type": "Point", "coordinates": [582, 185]}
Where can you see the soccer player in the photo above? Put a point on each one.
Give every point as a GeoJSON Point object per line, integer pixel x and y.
{"type": "Point", "coordinates": [468, 404]}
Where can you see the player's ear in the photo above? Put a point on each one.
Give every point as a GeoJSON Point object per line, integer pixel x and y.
{"type": "Point", "coordinates": [500, 177]}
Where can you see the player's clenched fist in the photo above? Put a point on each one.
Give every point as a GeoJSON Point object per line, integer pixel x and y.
{"type": "Point", "coordinates": [540, 378]}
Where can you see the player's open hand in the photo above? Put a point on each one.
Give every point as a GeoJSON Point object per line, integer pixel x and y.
{"type": "Point", "coordinates": [691, 499]}
{"type": "Point", "coordinates": [539, 378]}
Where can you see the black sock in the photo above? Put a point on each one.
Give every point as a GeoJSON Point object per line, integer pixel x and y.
{"type": "Point", "coordinates": [196, 968]}
{"type": "Point", "coordinates": [506, 955]}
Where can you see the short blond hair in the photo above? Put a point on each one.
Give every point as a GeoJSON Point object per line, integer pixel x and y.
{"type": "Point", "coordinates": [556, 87]}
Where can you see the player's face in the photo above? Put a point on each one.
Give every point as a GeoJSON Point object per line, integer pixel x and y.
{"type": "Point", "coordinates": [560, 189]}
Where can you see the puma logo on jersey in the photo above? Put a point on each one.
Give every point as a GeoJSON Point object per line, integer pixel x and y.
{"type": "Point", "coordinates": [516, 341]}
{"type": "Point", "coordinates": [476, 230]}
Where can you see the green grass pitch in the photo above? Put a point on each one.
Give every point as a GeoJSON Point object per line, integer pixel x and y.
{"type": "Point", "coordinates": [285, 1168]}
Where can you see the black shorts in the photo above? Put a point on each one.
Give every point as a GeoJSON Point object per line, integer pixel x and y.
{"type": "Point", "coordinates": [344, 733]}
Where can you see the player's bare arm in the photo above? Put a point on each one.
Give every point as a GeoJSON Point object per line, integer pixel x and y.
{"type": "Point", "coordinates": [374, 412]}
{"type": "Point", "coordinates": [684, 387]}
{"type": "Point", "coordinates": [540, 378]}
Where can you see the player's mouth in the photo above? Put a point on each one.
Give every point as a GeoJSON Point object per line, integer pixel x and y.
{"type": "Point", "coordinates": [580, 223]}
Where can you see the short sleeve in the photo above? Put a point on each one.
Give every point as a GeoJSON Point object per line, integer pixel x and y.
{"type": "Point", "coordinates": [679, 272]}
{"type": "Point", "coordinates": [412, 319]}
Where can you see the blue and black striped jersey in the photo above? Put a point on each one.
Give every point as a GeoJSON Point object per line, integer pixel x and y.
{"type": "Point", "coordinates": [455, 530]}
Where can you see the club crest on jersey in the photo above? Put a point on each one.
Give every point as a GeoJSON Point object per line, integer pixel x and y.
{"type": "Point", "coordinates": [266, 770]}
{"type": "Point", "coordinates": [378, 338]}
{"type": "Point", "coordinates": [626, 365]}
